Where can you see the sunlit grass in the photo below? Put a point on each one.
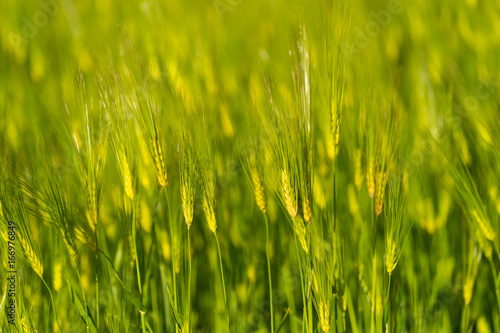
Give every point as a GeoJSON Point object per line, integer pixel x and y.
{"type": "Point", "coordinates": [236, 166]}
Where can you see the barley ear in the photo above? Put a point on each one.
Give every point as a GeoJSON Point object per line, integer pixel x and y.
{"type": "Point", "coordinates": [301, 233]}
{"type": "Point", "coordinates": [391, 258]}
{"type": "Point", "coordinates": [31, 256]}
{"type": "Point", "coordinates": [324, 316]}
{"type": "Point", "coordinates": [210, 215]}
{"type": "Point", "coordinates": [161, 172]}
{"type": "Point", "coordinates": [259, 192]}
{"type": "Point", "coordinates": [370, 177]}
{"type": "Point", "coordinates": [187, 197]}
{"type": "Point", "coordinates": [484, 225]}
{"type": "Point", "coordinates": [289, 194]}
{"type": "Point", "coordinates": [127, 177]}
{"type": "Point", "coordinates": [379, 197]}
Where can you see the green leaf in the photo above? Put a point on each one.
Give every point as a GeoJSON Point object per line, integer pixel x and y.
{"type": "Point", "coordinates": [282, 320]}
{"type": "Point", "coordinates": [80, 310]}
{"type": "Point", "coordinates": [136, 301]}
{"type": "Point", "coordinates": [177, 317]}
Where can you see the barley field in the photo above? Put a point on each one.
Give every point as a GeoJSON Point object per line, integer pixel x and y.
{"type": "Point", "coordinates": [250, 166]}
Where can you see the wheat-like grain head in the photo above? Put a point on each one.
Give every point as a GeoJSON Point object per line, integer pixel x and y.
{"type": "Point", "coordinates": [259, 192]}
{"type": "Point", "coordinates": [468, 289]}
{"type": "Point", "coordinates": [69, 242]}
{"type": "Point", "coordinates": [161, 171]}
{"type": "Point", "coordinates": [379, 197]}
{"type": "Point", "coordinates": [208, 202]}
{"type": "Point", "coordinates": [484, 225]}
{"type": "Point", "coordinates": [187, 197]}
{"type": "Point", "coordinates": [335, 127]}
{"type": "Point", "coordinates": [93, 211]}
{"type": "Point", "coordinates": [301, 232]}
{"type": "Point", "coordinates": [210, 215]}
{"type": "Point", "coordinates": [289, 194]}
{"type": "Point", "coordinates": [391, 256]}
{"type": "Point", "coordinates": [307, 204]}
{"type": "Point", "coordinates": [31, 255]}
{"type": "Point", "coordinates": [187, 179]}
{"type": "Point", "coordinates": [324, 316]}
{"type": "Point", "coordinates": [484, 243]}
{"type": "Point", "coordinates": [370, 177]}
{"type": "Point", "coordinates": [128, 183]}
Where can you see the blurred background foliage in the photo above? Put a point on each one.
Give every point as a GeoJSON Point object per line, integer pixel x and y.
{"type": "Point", "coordinates": [435, 62]}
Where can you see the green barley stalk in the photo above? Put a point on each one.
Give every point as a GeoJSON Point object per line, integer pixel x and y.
{"type": "Point", "coordinates": [15, 210]}
{"type": "Point", "coordinates": [90, 145]}
{"type": "Point", "coordinates": [187, 185]}
{"type": "Point", "coordinates": [252, 165]}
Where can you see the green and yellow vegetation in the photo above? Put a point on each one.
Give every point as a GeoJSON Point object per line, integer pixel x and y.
{"type": "Point", "coordinates": [238, 166]}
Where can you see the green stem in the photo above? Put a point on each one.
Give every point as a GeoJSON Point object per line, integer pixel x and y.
{"type": "Point", "coordinates": [173, 254]}
{"type": "Point", "coordinates": [166, 300]}
{"type": "Point", "coordinates": [189, 279]}
{"type": "Point", "coordinates": [309, 271]}
{"type": "Point", "coordinates": [137, 260]}
{"type": "Point", "coordinates": [269, 275]}
{"type": "Point", "coordinates": [135, 245]}
{"type": "Point", "coordinates": [222, 277]}
{"type": "Point", "coordinates": [310, 314]}
{"type": "Point", "coordinates": [374, 225]}
{"type": "Point", "coordinates": [496, 280]}
{"type": "Point", "coordinates": [97, 279]}
{"type": "Point", "coordinates": [465, 319]}
{"type": "Point", "coordinates": [388, 289]}
{"type": "Point", "coordinates": [352, 315]}
{"type": "Point", "coordinates": [388, 304]}
{"type": "Point", "coordinates": [84, 298]}
{"type": "Point", "coordinates": [53, 304]}
{"type": "Point", "coordinates": [304, 317]}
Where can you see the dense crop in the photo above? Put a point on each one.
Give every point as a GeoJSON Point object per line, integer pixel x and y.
{"type": "Point", "coordinates": [237, 166]}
